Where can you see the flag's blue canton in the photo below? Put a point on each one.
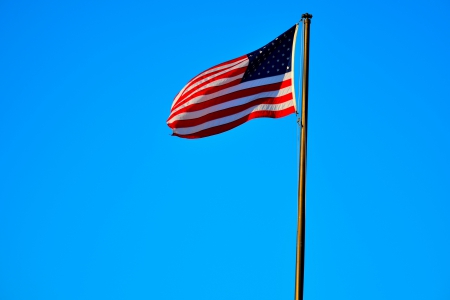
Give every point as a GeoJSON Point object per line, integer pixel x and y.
{"type": "Point", "coordinates": [272, 59]}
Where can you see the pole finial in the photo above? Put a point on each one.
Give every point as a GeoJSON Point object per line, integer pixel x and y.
{"type": "Point", "coordinates": [307, 16]}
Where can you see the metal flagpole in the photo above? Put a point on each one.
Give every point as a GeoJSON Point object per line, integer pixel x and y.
{"type": "Point", "coordinates": [300, 259]}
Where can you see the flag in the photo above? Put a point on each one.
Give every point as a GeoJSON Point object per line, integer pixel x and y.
{"type": "Point", "coordinates": [256, 85]}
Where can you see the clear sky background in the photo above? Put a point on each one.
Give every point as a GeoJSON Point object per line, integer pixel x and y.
{"type": "Point", "coordinates": [98, 201]}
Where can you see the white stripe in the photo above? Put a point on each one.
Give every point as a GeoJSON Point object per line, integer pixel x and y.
{"type": "Point", "coordinates": [241, 86]}
{"type": "Point", "coordinates": [204, 73]}
{"type": "Point", "coordinates": [217, 83]}
{"type": "Point", "coordinates": [240, 65]}
{"type": "Point", "coordinates": [225, 105]}
{"type": "Point", "coordinates": [229, 119]}
{"type": "Point", "coordinates": [293, 66]}
{"type": "Point", "coordinates": [185, 88]}
{"type": "Point", "coordinates": [218, 68]}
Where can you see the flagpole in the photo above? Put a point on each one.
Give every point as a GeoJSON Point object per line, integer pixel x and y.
{"type": "Point", "coordinates": [300, 258]}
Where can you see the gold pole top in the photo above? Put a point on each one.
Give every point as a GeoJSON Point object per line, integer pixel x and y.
{"type": "Point", "coordinates": [306, 16]}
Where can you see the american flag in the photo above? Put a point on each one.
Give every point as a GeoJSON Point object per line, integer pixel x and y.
{"type": "Point", "coordinates": [255, 85]}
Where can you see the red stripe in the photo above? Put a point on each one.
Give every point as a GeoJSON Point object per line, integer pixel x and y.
{"type": "Point", "coordinates": [229, 111]}
{"type": "Point", "coordinates": [232, 96]}
{"type": "Point", "coordinates": [200, 77]}
{"type": "Point", "coordinates": [203, 77]}
{"type": "Point", "coordinates": [195, 91]}
{"type": "Point", "coordinates": [231, 125]}
{"type": "Point", "coordinates": [224, 63]}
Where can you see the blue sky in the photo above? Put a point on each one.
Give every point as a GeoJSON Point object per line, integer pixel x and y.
{"type": "Point", "coordinates": [98, 201]}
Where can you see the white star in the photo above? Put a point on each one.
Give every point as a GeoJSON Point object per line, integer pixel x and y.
{"type": "Point", "coordinates": [287, 58]}
{"type": "Point", "coordinates": [260, 51]}
{"type": "Point", "coordinates": [288, 67]}
{"type": "Point", "coordinates": [263, 68]}
{"type": "Point", "coordinates": [289, 40]}
{"type": "Point", "coordinates": [277, 71]}
{"type": "Point", "coordinates": [282, 54]}
{"type": "Point", "coordinates": [268, 72]}
{"type": "Point", "coordinates": [278, 60]}
{"type": "Point", "coordinates": [289, 48]}
{"type": "Point", "coordinates": [282, 64]}
{"type": "Point", "coordinates": [259, 73]}
{"type": "Point", "coordinates": [273, 66]}
{"type": "Point", "coordinates": [284, 45]}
